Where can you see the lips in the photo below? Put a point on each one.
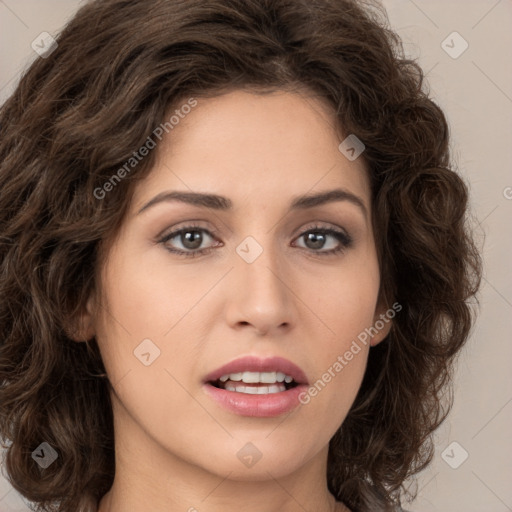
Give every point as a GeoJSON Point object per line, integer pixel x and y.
{"type": "Point", "coordinates": [254, 364]}
{"type": "Point", "coordinates": [260, 399]}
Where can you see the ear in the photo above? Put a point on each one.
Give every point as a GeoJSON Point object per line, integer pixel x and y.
{"type": "Point", "coordinates": [382, 322]}
{"type": "Point", "coordinates": [82, 327]}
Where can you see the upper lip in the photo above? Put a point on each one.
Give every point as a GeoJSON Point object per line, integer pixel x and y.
{"type": "Point", "coordinates": [255, 364]}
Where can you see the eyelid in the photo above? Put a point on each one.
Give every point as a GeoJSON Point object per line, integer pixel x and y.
{"type": "Point", "coordinates": [193, 224]}
{"type": "Point", "coordinates": [184, 225]}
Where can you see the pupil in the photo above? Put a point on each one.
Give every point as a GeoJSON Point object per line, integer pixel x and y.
{"type": "Point", "coordinates": [195, 240]}
{"type": "Point", "coordinates": [315, 239]}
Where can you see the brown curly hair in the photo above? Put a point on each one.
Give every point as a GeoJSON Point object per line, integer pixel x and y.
{"type": "Point", "coordinates": [78, 115]}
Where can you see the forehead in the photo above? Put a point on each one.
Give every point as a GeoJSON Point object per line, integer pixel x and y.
{"type": "Point", "coordinates": [254, 148]}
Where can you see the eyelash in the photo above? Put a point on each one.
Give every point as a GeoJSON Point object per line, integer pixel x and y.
{"type": "Point", "coordinates": [344, 239]}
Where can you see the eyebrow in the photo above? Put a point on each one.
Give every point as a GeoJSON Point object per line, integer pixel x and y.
{"type": "Point", "coordinates": [217, 202]}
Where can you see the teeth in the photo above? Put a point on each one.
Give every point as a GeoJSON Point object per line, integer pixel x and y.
{"type": "Point", "coordinates": [267, 377]}
{"type": "Point", "coordinates": [255, 390]}
{"type": "Point", "coordinates": [257, 377]}
{"type": "Point", "coordinates": [250, 377]}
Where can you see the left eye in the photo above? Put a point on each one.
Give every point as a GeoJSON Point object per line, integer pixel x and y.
{"type": "Point", "coordinates": [318, 237]}
{"type": "Point", "coordinates": [191, 239]}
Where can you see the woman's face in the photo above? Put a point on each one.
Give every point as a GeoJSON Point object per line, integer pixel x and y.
{"type": "Point", "coordinates": [269, 285]}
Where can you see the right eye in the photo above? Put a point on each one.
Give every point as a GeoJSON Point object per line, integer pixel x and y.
{"type": "Point", "coordinates": [190, 238]}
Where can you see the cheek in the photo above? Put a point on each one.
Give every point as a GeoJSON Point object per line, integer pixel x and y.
{"type": "Point", "coordinates": [144, 310]}
{"type": "Point", "coordinates": [147, 298]}
{"type": "Point", "coordinates": [345, 303]}
{"type": "Point", "coordinates": [345, 299]}
{"type": "Point", "coordinates": [341, 367]}
{"type": "Point", "coordinates": [146, 369]}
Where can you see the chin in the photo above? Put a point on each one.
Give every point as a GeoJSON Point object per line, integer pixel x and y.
{"type": "Point", "coordinates": [246, 462]}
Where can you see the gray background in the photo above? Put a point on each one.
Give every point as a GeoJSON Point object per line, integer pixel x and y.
{"type": "Point", "coordinates": [475, 90]}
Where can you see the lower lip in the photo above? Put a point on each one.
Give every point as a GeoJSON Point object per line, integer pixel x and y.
{"type": "Point", "coordinates": [263, 406]}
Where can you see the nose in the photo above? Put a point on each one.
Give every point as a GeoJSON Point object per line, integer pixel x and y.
{"type": "Point", "coordinates": [260, 294]}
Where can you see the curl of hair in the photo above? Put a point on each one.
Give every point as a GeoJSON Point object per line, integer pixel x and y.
{"type": "Point", "coordinates": [77, 116]}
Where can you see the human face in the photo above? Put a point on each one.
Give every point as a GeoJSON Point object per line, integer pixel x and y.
{"type": "Point", "coordinates": [265, 288]}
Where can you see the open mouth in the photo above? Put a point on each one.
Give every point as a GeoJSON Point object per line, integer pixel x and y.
{"type": "Point", "coordinates": [255, 383]}
{"type": "Point", "coordinates": [254, 387]}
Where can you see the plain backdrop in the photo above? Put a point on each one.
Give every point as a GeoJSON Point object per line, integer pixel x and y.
{"type": "Point", "coordinates": [465, 48]}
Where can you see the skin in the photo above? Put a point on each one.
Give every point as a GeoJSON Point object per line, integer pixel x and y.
{"type": "Point", "coordinates": [176, 449]}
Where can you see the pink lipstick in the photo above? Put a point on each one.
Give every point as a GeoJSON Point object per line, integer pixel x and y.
{"type": "Point", "coordinates": [250, 386]}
